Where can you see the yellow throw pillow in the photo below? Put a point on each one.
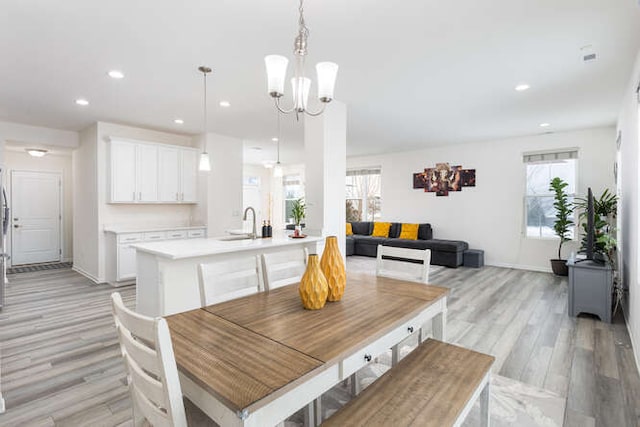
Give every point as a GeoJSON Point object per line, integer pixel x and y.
{"type": "Point", "coordinates": [349, 229]}
{"type": "Point", "coordinates": [409, 231]}
{"type": "Point", "coordinates": [381, 229]}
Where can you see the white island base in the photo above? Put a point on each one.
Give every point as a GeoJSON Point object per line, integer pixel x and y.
{"type": "Point", "coordinates": [167, 280]}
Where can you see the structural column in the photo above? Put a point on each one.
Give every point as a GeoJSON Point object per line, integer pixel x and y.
{"type": "Point", "coordinates": [325, 140]}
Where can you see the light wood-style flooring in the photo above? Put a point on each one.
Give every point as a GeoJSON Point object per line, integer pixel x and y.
{"type": "Point", "coordinates": [60, 360]}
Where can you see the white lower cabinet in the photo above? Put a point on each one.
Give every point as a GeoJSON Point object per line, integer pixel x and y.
{"type": "Point", "coordinates": [121, 256]}
{"type": "Point", "coordinates": [126, 262]}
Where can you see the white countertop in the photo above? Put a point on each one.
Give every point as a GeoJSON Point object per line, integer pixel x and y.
{"type": "Point", "coordinates": [180, 249]}
{"type": "Point", "coordinates": [119, 229]}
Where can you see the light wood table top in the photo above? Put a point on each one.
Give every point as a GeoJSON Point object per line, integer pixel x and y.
{"type": "Point", "coordinates": [247, 351]}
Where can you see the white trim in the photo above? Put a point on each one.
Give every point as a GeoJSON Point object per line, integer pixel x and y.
{"type": "Point", "coordinates": [2, 407]}
{"type": "Point", "coordinates": [520, 267]}
{"type": "Point", "coordinates": [633, 344]}
{"type": "Point", "coordinates": [93, 278]}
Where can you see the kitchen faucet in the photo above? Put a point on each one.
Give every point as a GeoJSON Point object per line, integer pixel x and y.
{"type": "Point", "coordinates": [244, 218]}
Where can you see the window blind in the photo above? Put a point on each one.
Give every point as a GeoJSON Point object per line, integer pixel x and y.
{"type": "Point", "coordinates": [550, 156]}
{"type": "Point", "coordinates": [364, 171]}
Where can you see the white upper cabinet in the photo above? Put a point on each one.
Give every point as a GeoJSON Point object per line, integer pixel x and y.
{"type": "Point", "coordinates": [189, 175]}
{"type": "Point", "coordinates": [169, 177]}
{"type": "Point", "coordinates": [123, 172]}
{"type": "Point", "coordinates": [152, 173]}
{"type": "Point", "coordinates": [147, 172]}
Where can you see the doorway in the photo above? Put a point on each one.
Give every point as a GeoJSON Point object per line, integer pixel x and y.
{"type": "Point", "coordinates": [36, 217]}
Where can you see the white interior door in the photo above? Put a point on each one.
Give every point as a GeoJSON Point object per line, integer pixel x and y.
{"type": "Point", "coordinates": [35, 217]}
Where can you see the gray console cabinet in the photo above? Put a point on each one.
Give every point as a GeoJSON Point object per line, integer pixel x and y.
{"type": "Point", "coordinates": [590, 289]}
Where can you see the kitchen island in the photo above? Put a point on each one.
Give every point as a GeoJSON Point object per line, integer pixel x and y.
{"type": "Point", "coordinates": [167, 280]}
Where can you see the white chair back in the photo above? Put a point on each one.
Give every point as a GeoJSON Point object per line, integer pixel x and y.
{"type": "Point", "coordinates": [284, 268]}
{"type": "Point", "coordinates": [398, 269]}
{"type": "Point", "coordinates": [153, 376]}
{"type": "Point", "coordinates": [226, 280]}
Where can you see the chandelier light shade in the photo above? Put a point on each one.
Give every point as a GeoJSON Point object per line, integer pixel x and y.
{"type": "Point", "coordinates": [276, 73]}
{"type": "Point", "coordinates": [205, 164]}
{"type": "Point", "coordinates": [277, 69]}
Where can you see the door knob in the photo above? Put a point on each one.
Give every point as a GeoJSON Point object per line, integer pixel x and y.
{"type": "Point", "coordinates": [16, 226]}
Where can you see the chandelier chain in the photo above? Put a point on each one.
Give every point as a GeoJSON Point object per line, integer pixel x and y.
{"type": "Point", "coordinates": [303, 26]}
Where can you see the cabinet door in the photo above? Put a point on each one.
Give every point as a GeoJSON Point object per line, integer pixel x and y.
{"type": "Point", "coordinates": [189, 175]}
{"type": "Point", "coordinates": [123, 172]}
{"type": "Point", "coordinates": [169, 174]}
{"type": "Point", "coordinates": [126, 262]}
{"type": "Point", "coordinates": [147, 172]}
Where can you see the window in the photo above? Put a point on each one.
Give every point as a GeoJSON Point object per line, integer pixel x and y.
{"type": "Point", "coordinates": [293, 190]}
{"type": "Point", "coordinates": [363, 194]}
{"type": "Point", "coordinates": [541, 168]}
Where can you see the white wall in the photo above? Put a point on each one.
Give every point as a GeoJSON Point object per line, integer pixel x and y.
{"type": "Point", "coordinates": [628, 127]}
{"type": "Point", "coordinates": [490, 215]}
{"type": "Point", "coordinates": [224, 184]}
{"type": "Point", "coordinates": [264, 207]}
{"type": "Point", "coordinates": [18, 159]}
{"type": "Point", "coordinates": [85, 205]}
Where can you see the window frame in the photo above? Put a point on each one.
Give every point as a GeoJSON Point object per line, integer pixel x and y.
{"type": "Point", "coordinates": [576, 229]}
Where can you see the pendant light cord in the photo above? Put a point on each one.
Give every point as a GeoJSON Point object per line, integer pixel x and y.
{"type": "Point", "coordinates": [278, 113]}
{"type": "Point", "coordinates": [204, 74]}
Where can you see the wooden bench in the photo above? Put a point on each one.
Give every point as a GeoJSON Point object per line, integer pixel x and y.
{"type": "Point", "coordinates": [435, 385]}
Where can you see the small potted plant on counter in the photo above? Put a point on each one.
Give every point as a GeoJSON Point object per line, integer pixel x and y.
{"type": "Point", "coordinates": [298, 211]}
{"type": "Point", "coordinates": [562, 224]}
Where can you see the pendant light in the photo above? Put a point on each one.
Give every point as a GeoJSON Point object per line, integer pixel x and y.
{"type": "Point", "coordinates": [277, 169]}
{"type": "Point", "coordinates": [205, 163]}
{"type": "Point", "coordinates": [277, 69]}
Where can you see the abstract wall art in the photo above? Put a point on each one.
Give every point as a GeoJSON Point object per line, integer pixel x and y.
{"type": "Point", "coordinates": [444, 178]}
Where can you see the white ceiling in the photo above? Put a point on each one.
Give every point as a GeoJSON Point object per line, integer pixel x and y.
{"type": "Point", "coordinates": [413, 73]}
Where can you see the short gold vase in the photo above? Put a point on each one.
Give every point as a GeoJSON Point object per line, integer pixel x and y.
{"type": "Point", "coordinates": [313, 287]}
{"type": "Point", "coordinates": [332, 266]}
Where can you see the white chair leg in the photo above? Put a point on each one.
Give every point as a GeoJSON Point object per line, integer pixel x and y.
{"type": "Point", "coordinates": [485, 415]}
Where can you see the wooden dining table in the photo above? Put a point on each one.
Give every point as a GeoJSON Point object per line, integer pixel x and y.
{"type": "Point", "coordinates": [256, 360]}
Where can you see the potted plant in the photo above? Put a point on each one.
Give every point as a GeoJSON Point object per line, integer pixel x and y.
{"type": "Point", "coordinates": [298, 211]}
{"type": "Point", "coordinates": [562, 224]}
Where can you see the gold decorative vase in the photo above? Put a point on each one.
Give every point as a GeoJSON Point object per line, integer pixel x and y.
{"type": "Point", "coordinates": [313, 287]}
{"type": "Point", "coordinates": [332, 266]}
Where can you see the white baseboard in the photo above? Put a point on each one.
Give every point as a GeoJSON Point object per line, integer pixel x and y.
{"type": "Point", "coordinates": [633, 343]}
{"type": "Point", "coordinates": [87, 275]}
{"type": "Point", "coordinates": [521, 267]}
{"type": "Point", "coordinates": [66, 260]}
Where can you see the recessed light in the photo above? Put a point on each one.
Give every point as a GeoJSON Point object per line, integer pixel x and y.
{"type": "Point", "coordinates": [225, 104]}
{"type": "Point", "coordinates": [82, 101]}
{"type": "Point", "coordinates": [522, 87]}
{"type": "Point", "coordinates": [36, 152]}
{"type": "Point", "coordinates": [178, 121]}
{"type": "Point", "coordinates": [116, 74]}
{"type": "Point", "coordinates": [545, 125]}
{"type": "Point", "coordinates": [274, 139]}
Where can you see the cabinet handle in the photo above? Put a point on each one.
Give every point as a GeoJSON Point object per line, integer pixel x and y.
{"type": "Point", "coordinates": [134, 196]}
{"type": "Point", "coordinates": [182, 197]}
{"type": "Point", "coordinates": [410, 329]}
{"type": "Point", "coordinates": [177, 198]}
{"type": "Point", "coordinates": [140, 195]}
{"type": "Point", "coordinates": [367, 358]}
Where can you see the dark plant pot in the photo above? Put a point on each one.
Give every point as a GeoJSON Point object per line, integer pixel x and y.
{"type": "Point", "coordinates": [559, 267]}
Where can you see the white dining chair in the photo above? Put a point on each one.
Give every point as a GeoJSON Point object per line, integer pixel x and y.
{"type": "Point", "coordinates": [284, 268]}
{"type": "Point", "coordinates": [226, 280]}
{"type": "Point", "coordinates": [152, 373]}
{"type": "Point", "coordinates": [392, 262]}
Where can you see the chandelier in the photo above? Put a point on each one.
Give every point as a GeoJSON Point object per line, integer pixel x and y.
{"type": "Point", "coordinates": [277, 70]}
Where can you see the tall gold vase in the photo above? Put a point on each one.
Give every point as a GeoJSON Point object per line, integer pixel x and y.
{"type": "Point", "coordinates": [332, 266]}
{"type": "Point", "coordinates": [313, 287]}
